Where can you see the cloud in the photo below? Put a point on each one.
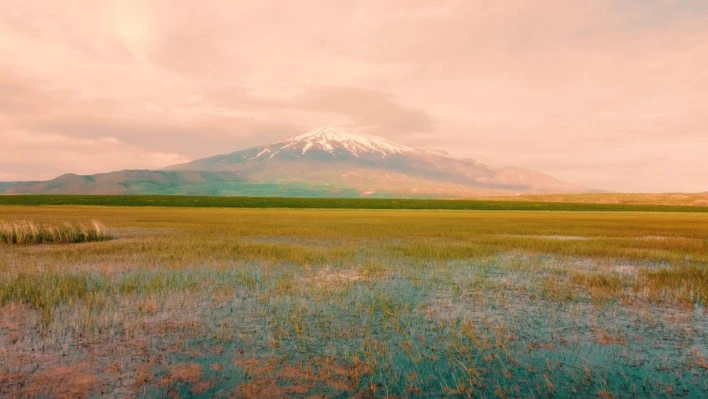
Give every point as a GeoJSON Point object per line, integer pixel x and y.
{"type": "Point", "coordinates": [367, 109]}
{"type": "Point", "coordinates": [20, 96]}
{"type": "Point", "coordinates": [571, 88]}
{"type": "Point", "coordinates": [78, 155]}
{"type": "Point", "coordinates": [238, 97]}
{"type": "Point", "coordinates": [197, 138]}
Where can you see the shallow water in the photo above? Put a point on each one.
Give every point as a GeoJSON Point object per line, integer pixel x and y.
{"type": "Point", "coordinates": [477, 328]}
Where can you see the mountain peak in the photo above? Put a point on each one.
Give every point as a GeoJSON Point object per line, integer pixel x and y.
{"type": "Point", "coordinates": [326, 133]}
{"type": "Point", "coordinates": [330, 138]}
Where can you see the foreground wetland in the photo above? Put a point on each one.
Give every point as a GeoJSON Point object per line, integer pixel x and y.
{"type": "Point", "coordinates": [302, 303]}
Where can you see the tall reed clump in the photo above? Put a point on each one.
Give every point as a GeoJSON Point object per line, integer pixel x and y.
{"type": "Point", "coordinates": [686, 283]}
{"type": "Point", "coordinates": [28, 232]}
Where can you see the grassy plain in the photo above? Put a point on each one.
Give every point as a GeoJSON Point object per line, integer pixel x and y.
{"type": "Point", "coordinates": [225, 302]}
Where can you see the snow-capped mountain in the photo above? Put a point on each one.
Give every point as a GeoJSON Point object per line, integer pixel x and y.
{"type": "Point", "coordinates": [326, 140]}
{"type": "Point", "coordinates": [331, 140]}
{"type": "Point", "coordinates": [321, 162]}
{"type": "Point", "coordinates": [373, 165]}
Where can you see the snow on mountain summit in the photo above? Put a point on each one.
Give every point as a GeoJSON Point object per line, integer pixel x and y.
{"type": "Point", "coordinates": [329, 139]}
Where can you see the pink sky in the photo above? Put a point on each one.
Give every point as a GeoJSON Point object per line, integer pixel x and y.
{"type": "Point", "coordinates": [610, 94]}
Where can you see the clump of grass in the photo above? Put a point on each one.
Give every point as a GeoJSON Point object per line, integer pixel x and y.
{"type": "Point", "coordinates": [685, 283]}
{"type": "Point", "coordinates": [28, 232]}
{"type": "Point", "coordinates": [372, 268]}
{"type": "Point", "coordinates": [44, 291]}
{"type": "Point", "coordinates": [554, 288]}
{"type": "Point", "coordinates": [600, 286]}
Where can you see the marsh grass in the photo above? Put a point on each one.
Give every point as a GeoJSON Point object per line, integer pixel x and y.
{"type": "Point", "coordinates": [687, 284]}
{"type": "Point", "coordinates": [298, 303]}
{"type": "Point", "coordinates": [601, 286]}
{"type": "Point", "coordinates": [29, 232]}
{"type": "Point", "coordinates": [45, 291]}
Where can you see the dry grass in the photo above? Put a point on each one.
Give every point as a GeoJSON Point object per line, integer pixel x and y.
{"type": "Point", "coordinates": [686, 283]}
{"type": "Point", "coordinates": [64, 382]}
{"type": "Point", "coordinates": [28, 232]}
{"type": "Point", "coordinates": [600, 286]}
{"type": "Point", "coordinates": [370, 241]}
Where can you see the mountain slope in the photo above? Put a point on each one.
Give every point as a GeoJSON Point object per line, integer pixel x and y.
{"type": "Point", "coordinates": [526, 179]}
{"type": "Point", "coordinates": [124, 182]}
{"type": "Point", "coordinates": [127, 182]}
{"type": "Point", "coordinates": [322, 162]}
{"type": "Point", "coordinates": [4, 186]}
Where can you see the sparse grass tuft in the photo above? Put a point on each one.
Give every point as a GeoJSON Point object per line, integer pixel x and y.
{"type": "Point", "coordinates": [28, 232]}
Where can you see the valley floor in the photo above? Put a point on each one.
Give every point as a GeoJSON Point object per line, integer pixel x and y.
{"type": "Point", "coordinates": [368, 303]}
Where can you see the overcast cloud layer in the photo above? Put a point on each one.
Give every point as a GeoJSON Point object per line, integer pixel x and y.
{"type": "Point", "coordinates": [611, 94]}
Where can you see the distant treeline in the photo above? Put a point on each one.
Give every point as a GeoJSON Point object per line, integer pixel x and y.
{"type": "Point", "coordinates": [329, 203]}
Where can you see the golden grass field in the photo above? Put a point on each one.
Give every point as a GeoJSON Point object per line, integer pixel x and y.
{"type": "Point", "coordinates": [367, 303]}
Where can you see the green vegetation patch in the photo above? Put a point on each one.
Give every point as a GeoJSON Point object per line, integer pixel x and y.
{"type": "Point", "coordinates": [330, 203]}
